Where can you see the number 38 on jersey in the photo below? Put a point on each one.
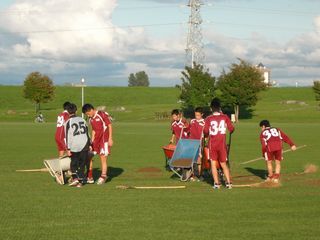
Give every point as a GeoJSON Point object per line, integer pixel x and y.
{"type": "Point", "coordinates": [218, 127]}
{"type": "Point", "coordinates": [271, 132]}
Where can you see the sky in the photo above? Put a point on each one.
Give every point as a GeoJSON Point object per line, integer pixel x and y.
{"type": "Point", "coordinates": [104, 41]}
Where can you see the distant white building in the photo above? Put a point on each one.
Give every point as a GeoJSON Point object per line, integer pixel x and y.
{"type": "Point", "coordinates": [266, 73]}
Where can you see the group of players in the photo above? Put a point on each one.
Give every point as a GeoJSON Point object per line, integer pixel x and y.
{"type": "Point", "coordinates": [72, 138]}
{"type": "Point", "coordinates": [212, 132]}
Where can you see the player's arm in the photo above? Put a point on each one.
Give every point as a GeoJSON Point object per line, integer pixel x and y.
{"type": "Point", "coordinates": [68, 140]}
{"type": "Point", "coordinates": [287, 140]}
{"type": "Point", "coordinates": [206, 129]}
{"type": "Point", "coordinates": [110, 140]}
{"type": "Point", "coordinates": [173, 138]}
{"type": "Point", "coordinates": [107, 122]}
{"type": "Point", "coordinates": [263, 144]}
{"type": "Point", "coordinates": [229, 125]}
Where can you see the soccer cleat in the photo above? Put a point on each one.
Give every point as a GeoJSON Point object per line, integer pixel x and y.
{"type": "Point", "coordinates": [90, 180]}
{"type": "Point", "coordinates": [216, 186]}
{"type": "Point", "coordinates": [229, 185]}
{"type": "Point", "coordinates": [79, 185]}
{"type": "Point", "coordinates": [276, 178]}
{"type": "Point", "coordinates": [101, 180]}
{"type": "Point", "coordinates": [269, 179]}
{"type": "Point", "coordinates": [74, 182]}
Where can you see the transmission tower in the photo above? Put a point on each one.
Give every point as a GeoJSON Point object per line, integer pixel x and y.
{"type": "Point", "coordinates": [194, 49]}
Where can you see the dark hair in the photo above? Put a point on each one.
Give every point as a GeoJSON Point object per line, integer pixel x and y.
{"type": "Point", "coordinates": [87, 107]}
{"type": "Point", "coordinates": [265, 123]}
{"type": "Point", "coordinates": [65, 105]}
{"type": "Point", "coordinates": [72, 108]}
{"type": "Point", "coordinates": [215, 104]}
{"type": "Point", "coordinates": [175, 112]}
{"type": "Point", "coordinates": [199, 110]}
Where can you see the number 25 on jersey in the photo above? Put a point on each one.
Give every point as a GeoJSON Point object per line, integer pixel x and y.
{"type": "Point", "coordinates": [218, 127]}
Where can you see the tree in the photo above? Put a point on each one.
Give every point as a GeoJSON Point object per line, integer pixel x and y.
{"type": "Point", "coordinates": [316, 89]}
{"type": "Point", "coordinates": [38, 88]}
{"type": "Point", "coordinates": [139, 79]}
{"type": "Point", "coordinates": [240, 86]}
{"type": "Point", "coordinates": [198, 87]}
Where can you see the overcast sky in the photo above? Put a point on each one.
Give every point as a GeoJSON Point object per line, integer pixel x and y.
{"type": "Point", "coordinates": [105, 40]}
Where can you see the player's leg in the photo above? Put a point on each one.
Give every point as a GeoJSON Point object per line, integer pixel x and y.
{"type": "Point", "coordinates": [81, 166]}
{"type": "Point", "coordinates": [215, 175]}
{"type": "Point", "coordinates": [226, 173]}
{"type": "Point", "coordinates": [223, 158]}
{"type": "Point", "coordinates": [276, 177]}
{"type": "Point", "coordinates": [104, 164]}
{"type": "Point", "coordinates": [74, 168]}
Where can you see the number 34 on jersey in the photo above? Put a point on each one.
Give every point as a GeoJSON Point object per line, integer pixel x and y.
{"type": "Point", "coordinates": [217, 128]}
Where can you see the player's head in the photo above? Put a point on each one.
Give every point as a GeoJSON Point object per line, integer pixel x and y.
{"type": "Point", "coordinates": [215, 105]}
{"type": "Point", "coordinates": [264, 124]}
{"type": "Point", "coordinates": [72, 109]}
{"type": "Point", "coordinates": [88, 110]}
{"type": "Point", "coordinates": [175, 114]}
{"type": "Point", "coordinates": [198, 113]}
{"type": "Point", "coordinates": [65, 105]}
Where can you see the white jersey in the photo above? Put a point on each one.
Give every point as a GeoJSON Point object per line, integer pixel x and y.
{"type": "Point", "coordinates": [77, 137]}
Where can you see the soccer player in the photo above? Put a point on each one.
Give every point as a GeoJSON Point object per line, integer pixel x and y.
{"type": "Point", "coordinates": [271, 140]}
{"type": "Point", "coordinates": [78, 145]}
{"type": "Point", "coordinates": [196, 131]}
{"type": "Point", "coordinates": [215, 128]}
{"type": "Point", "coordinates": [179, 126]}
{"type": "Point", "coordinates": [101, 139]}
{"type": "Point", "coordinates": [60, 132]}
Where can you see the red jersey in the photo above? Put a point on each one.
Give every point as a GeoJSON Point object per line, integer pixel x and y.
{"type": "Point", "coordinates": [271, 139]}
{"type": "Point", "coordinates": [180, 128]}
{"type": "Point", "coordinates": [196, 129]}
{"type": "Point", "coordinates": [60, 132]}
{"type": "Point", "coordinates": [99, 123]}
{"type": "Point", "coordinates": [216, 127]}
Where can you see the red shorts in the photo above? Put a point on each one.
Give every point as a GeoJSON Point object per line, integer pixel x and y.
{"type": "Point", "coordinates": [61, 145]}
{"type": "Point", "coordinates": [219, 154]}
{"type": "Point", "coordinates": [101, 148]}
{"type": "Point", "coordinates": [275, 155]}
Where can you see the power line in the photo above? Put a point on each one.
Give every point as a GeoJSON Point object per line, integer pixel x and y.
{"type": "Point", "coordinates": [90, 29]}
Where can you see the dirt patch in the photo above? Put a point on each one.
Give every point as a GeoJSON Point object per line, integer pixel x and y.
{"type": "Point", "coordinates": [182, 162]}
{"type": "Point", "coordinates": [313, 182]}
{"type": "Point", "coordinates": [149, 170]}
{"type": "Point", "coordinates": [310, 168]}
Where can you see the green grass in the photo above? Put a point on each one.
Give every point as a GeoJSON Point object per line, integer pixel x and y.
{"type": "Point", "coordinates": [141, 103]}
{"type": "Point", "coordinates": [33, 206]}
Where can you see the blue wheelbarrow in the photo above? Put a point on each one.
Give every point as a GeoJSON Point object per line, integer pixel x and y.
{"type": "Point", "coordinates": [185, 158]}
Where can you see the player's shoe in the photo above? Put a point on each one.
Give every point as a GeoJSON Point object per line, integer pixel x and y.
{"type": "Point", "coordinates": [276, 178]}
{"type": "Point", "coordinates": [216, 186]}
{"type": "Point", "coordinates": [269, 179]}
{"type": "Point", "coordinates": [90, 181]}
{"type": "Point", "coordinates": [229, 185]}
{"type": "Point", "coordinates": [74, 182]}
{"type": "Point", "coordinates": [79, 185]}
{"type": "Point", "coordinates": [101, 180]}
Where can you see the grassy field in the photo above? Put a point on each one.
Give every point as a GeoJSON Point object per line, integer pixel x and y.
{"type": "Point", "coordinates": [32, 206]}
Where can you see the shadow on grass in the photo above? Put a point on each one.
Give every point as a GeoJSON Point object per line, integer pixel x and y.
{"type": "Point", "coordinates": [261, 173]}
{"type": "Point", "coordinates": [113, 172]}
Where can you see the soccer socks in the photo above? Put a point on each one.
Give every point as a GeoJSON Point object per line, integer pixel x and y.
{"type": "Point", "coordinates": [90, 173]}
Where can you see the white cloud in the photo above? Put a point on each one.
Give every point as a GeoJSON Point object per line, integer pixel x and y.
{"type": "Point", "coordinates": [68, 38]}
{"type": "Point", "coordinates": [67, 29]}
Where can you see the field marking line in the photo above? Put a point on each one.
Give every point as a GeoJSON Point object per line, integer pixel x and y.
{"type": "Point", "coordinates": [150, 187]}
{"type": "Point", "coordinates": [260, 158]}
{"type": "Point", "coordinates": [33, 170]}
